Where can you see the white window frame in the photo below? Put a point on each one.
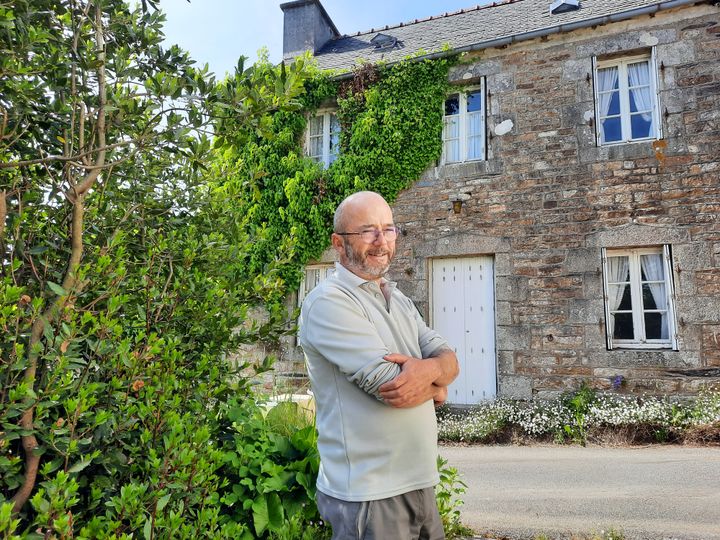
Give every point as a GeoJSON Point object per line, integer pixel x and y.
{"type": "Point", "coordinates": [639, 341]}
{"type": "Point", "coordinates": [313, 275]}
{"type": "Point", "coordinates": [464, 125]}
{"type": "Point", "coordinates": [327, 157]}
{"type": "Point", "coordinates": [626, 129]}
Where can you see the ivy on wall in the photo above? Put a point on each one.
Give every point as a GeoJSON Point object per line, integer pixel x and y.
{"type": "Point", "coordinates": [391, 119]}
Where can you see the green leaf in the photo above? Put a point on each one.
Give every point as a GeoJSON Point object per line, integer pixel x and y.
{"type": "Point", "coordinates": [162, 502]}
{"type": "Point", "coordinates": [267, 513]}
{"type": "Point", "coordinates": [279, 481]}
{"type": "Point", "coordinates": [37, 250]}
{"type": "Point", "coordinates": [57, 289]}
{"type": "Point", "coordinates": [79, 466]}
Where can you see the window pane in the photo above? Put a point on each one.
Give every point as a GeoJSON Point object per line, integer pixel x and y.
{"type": "Point", "coordinates": [452, 105]}
{"type": "Point", "coordinates": [654, 327]}
{"type": "Point", "coordinates": [652, 267]}
{"type": "Point", "coordinates": [640, 100]}
{"type": "Point", "coordinates": [334, 137]}
{"type": "Point", "coordinates": [452, 128]}
{"type": "Point", "coordinates": [316, 126]}
{"type": "Point", "coordinates": [474, 102]}
{"type": "Point", "coordinates": [654, 296]}
{"type": "Point", "coordinates": [614, 107]}
{"type": "Point", "coordinates": [475, 124]}
{"type": "Point", "coordinates": [621, 295]}
{"type": "Point", "coordinates": [316, 148]}
{"type": "Point", "coordinates": [607, 78]}
{"type": "Point", "coordinates": [611, 130]}
{"type": "Point", "coordinates": [640, 127]}
{"type": "Point", "coordinates": [619, 269]}
{"type": "Point", "coordinates": [475, 148]}
{"type": "Point", "coordinates": [639, 74]}
{"type": "Point", "coordinates": [475, 139]}
{"type": "Point", "coordinates": [452, 150]}
{"type": "Point", "coordinates": [623, 326]}
{"type": "Point", "coordinates": [451, 134]}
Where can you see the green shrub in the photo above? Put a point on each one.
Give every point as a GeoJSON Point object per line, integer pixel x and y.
{"type": "Point", "coordinates": [271, 463]}
{"type": "Point", "coordinates": [448, 494]}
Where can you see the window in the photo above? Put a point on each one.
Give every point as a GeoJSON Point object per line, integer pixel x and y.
{"type": "Point", "coordinates": [626, 100]}
{"type": "Point", "coordinates": [314, 274]}
{"type": "Point", "coordinates": [323, 138]}
{"type": "Point", "coordinates": [464, 126]}
{"type": "Point", "coordinates": [639, 309]}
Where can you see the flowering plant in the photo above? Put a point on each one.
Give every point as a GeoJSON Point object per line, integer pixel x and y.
{"type": "Point", "coordinates": [580, 417]}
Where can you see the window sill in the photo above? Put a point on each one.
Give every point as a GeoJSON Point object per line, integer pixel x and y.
{"type": "Point", "coordinates": [642, 347]}
{"type": "Point", "coordinates": [631, 141]}
{"type": "Point", "coordinates": [469, 168]}
{"type": "Point", "coordinates": [618, 151]}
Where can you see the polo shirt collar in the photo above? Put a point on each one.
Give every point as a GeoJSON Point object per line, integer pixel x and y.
{"type": "Point", "coordinates": [354, 280]}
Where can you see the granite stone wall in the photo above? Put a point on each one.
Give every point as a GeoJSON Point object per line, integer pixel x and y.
{"type": "Point", "coordinates": [549, 198]}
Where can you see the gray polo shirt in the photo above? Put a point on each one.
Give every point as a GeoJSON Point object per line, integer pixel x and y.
{"type": "Point", "coordinates": [368, 450]}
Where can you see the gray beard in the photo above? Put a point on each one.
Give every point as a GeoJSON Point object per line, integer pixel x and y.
{"type": "Point", "coordinates": [359, 263]}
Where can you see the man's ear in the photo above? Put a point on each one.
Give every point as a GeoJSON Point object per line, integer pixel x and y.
{"type": "Point", "coordinates": [337, 242]}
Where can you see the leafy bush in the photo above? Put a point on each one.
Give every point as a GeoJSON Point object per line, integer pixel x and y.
{"type": "Point", "coordinates": [124, 281]}
{"type": "Point", "coordinates": [271, 464]}
{"type": "Point", "coordinates": [448, 494]}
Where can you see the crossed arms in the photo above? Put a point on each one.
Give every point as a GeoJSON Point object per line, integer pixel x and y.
{"type": "Point", "coordinates": [420, 379]}
{"type": "Point", "coordinates": [338, 330]}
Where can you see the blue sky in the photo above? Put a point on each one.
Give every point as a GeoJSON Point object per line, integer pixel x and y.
{"type": "Point", "coordinates": [217, 32]}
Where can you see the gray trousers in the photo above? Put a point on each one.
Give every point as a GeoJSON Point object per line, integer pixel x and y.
{"type": "Point", "coordinates": [410, 516]}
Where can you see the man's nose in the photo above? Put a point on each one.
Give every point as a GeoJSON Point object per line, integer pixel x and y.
{"type": "Point", "coordinates": [380, 237]}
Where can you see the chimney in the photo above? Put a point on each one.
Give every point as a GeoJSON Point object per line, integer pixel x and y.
{"type": "Point", "coordinates": [307, 27]}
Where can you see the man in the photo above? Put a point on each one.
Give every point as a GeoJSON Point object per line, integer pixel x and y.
{"type": "Point", "coordinates": [376, 369]}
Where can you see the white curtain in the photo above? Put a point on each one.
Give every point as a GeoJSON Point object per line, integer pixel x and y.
{"type": "Point", "coordinates": [652, 266]}
{"type": "Point", "coordinates": [475, 127]}
{"type": "Point", "coordinates": [334, 137]}
{"type": "Point", "coordinates": [316, 138]}
{"type": "Point", "coordinates": [617, 268]}
{"type": "Point", "coordinates": [639, 75]}
{"type": "Point", "coordinates": [451, 136]}
{"type": "Point", "coordinates": [607, 79]}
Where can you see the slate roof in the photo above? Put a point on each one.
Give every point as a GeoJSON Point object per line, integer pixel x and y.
{"type": "Point", "coordinates": [476, 27]}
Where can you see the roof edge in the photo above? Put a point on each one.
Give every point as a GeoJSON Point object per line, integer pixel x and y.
{"type": "Point", "coordinates": [549, 30]}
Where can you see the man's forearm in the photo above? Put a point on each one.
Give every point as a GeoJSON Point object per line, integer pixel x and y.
{"type": "Point", "coordinates": [447, 366]}
{"type": "Point", "coordinates": [419, 379]}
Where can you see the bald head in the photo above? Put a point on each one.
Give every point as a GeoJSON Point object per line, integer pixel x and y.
{"type": "Point", "coordinates": [363, 212]}
{"type": "Point", "coordinates": [354, 204]}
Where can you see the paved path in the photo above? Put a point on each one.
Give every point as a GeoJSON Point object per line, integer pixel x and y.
{"type": "Point", "coordinates": [653, 493]}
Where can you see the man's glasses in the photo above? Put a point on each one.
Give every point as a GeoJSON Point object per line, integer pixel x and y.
{"type": "Point", "coordinates": [370, 235]}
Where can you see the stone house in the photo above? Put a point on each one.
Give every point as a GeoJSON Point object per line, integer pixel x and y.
{"type": "Point", "coordinates": [571, 230]}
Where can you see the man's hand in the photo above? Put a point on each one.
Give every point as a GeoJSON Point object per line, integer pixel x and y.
{"type": "Point", "coordinates": [441, 394]}
{"type": "Point", "coordinates": [414, 385]}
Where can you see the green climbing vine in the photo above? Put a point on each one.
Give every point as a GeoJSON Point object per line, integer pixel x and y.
{"type": "Point", "coordinates": [391, 119]}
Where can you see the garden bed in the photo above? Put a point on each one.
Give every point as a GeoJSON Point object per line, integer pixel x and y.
{"type": "Point", "coordinates": [587, 417]}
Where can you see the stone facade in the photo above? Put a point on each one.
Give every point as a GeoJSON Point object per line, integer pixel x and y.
{"type": "Point", "coordinates": [549, 198]}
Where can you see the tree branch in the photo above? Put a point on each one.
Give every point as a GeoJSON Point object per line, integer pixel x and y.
{"type": "Point", "coordinates": [3, 217]}
{"type": "Point", "coordinates": [70, 281]}
{"type": "Point", "coordinates": [70, 284]}
{"type": "Point", "coordinates": [49, 159]}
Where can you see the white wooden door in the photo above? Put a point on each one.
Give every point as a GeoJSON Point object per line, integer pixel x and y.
{"type": "Point", "coordinates": [463, 311]}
